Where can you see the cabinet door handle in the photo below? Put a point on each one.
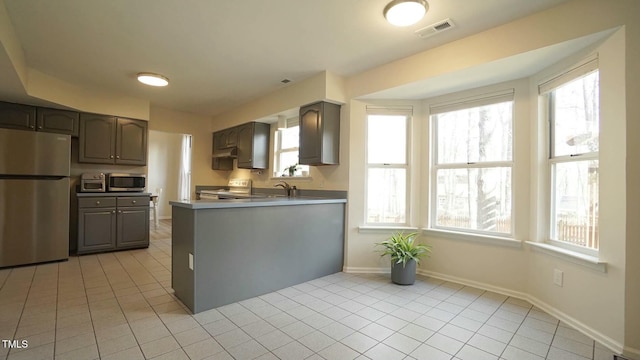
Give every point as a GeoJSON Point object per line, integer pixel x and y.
{"type": "Point", "coordinates": [118, 157]}
{"type": "Point", "coordinates": [113, 211]}
{"type": "Point", "coordinates": [97, 202]}
{"type": "Point", "coordinates": [31, 126]}
{"type": "Point", "coordinates": [119, 211]}
{"type": "Point", "coordinates": [133, 201]}
{"type": "Point", "coordinates": [39, 127]}
{"type": "Point", "coordinates": [111, 157]}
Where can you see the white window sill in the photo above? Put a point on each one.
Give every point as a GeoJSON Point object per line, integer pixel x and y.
{"type": "Point", "coordinates": [592, 262]}
{"type": "Point", "coordinates": [385, 228]}
{"type": "Point", "coordinates": [302, 178]}
{"type": "Point", "coordinates": [480, 238]}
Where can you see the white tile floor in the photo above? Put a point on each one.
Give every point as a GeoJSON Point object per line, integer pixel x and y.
{"type": "Point", "coordinates": [120, 306]}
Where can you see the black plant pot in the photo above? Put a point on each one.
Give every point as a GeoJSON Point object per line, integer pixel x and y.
{"type": "Point", "coordinates": [403, 275]}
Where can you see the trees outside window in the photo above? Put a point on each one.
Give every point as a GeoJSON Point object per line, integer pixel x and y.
{"type": "Point", "coordinates": [472, 165]}
{"type": "Point", "coordinates": [387, 169]}
{"type": "Point", "coordinates": [574, 143]}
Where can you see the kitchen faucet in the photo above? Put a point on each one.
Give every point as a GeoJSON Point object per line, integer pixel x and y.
{"type": "Point", "coordinates": [283, 184]}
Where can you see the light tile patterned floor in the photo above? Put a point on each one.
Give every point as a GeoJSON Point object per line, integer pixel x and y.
{"type": "Point", "coordinates": [120, 306]}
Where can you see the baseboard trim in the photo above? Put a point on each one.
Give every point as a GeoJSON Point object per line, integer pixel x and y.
{"type": "Point", "coordinates": [365, 270]}
{"type": "Point", "coordinates": [631, 353]}
{"type": "Point", "coordinates": [608, 342]}
{"type": "Point", "coordinates": [476, 284]}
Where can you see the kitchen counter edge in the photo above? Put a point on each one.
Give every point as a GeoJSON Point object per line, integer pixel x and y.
{"type": "Point", "coordinates": [112, 194]}
{"type": "Point", "coordinates": [261, 202]}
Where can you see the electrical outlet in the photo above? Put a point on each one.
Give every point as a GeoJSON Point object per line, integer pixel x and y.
{"type": "Point", "coordinates": [190, 261]}
{"type": "Point", "coordinates": [558, 277]}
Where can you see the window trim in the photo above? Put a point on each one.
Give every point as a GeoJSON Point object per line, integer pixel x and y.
{"type": "Point", "coordinates": [507, 95]}
{"type": "Point", "coordinates": [407, 112]}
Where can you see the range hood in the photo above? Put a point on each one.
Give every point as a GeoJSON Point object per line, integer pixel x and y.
{"type": "Point", "coordinates": [231, 152]}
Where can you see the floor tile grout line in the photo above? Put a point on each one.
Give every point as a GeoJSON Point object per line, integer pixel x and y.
{"type": "Point", "coordinates": [152, 308]}
{"type": "Point", "coordinates": [24, 304]}
{"type": "Point", "coordinates": [554, 336]}
{"type": "Point", "coordinates": [84, 286]}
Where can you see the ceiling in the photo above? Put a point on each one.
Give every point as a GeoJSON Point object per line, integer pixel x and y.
{"type": "Point", "coordinates": [219, 54]}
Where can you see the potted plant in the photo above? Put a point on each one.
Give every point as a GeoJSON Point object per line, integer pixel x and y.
{"type": "Point", "coordinates": [291, 170]}
{"type": "Point", "coordinates": [405, 255]}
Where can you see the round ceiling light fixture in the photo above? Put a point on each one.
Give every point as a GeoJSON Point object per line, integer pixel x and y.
{"type": "Point", "coordinates": [153, 79]}
{"type": "Point", "coordinates": [405, 12]}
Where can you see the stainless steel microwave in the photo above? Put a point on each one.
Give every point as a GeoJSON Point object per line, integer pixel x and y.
{"type": "Point", "coordinates": [126, 182]}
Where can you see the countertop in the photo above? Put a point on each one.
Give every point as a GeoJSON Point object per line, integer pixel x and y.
{"type": "Point", "coordinates": [108, 194]}
{"type": "Point", "coordinates": [255, 202]}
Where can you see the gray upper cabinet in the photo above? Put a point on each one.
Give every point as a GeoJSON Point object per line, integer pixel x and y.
{"type": "Point", "coordinates": [25, 117]}
{"type": "Point", "coordinates": [110, 140]}
{"type": "Point", "coordinates": [253, 145]}
{"type": "Point", "coordinates": [219, 145]}
{"type": "Point", "coordinates": [131, 142]}
{"type": "Point", "coordinates": [250, 142]}
{"type": "Point", "coordinates": [320, 134]}
{"type": "Point", "coordinates": [17, 116]}
{"type": "Point", "coordinates": [97, 139]}
{"type": "Point", "coordinates": [58, 121]}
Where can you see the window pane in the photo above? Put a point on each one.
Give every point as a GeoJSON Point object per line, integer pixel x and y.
{"type": "Point", "coordinates": [575, 200]}
{"type": "Point", "coordinates": [387, 139]}
{"type": "Point", "coordinates": [386, 198]}
{"type": "Point", "coordinates": [290, 137]}
{"type": "Point", "coordinates": [576, 120]}
{"type": "Point", "coordinates": [475, 198]}
{"type": "Point", "coordinates": [477, 134]}
{"type": "Point", "coordinates": [287, 159]}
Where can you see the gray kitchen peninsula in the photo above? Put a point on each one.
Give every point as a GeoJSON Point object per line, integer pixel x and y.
{"type": "Point", "coordinates": [225, 251]}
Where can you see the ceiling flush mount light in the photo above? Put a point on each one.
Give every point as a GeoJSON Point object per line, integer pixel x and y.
{"type": "Point", "coordinates": [405, 12]}
{"type": "Point", "coordinates": [153, 79]}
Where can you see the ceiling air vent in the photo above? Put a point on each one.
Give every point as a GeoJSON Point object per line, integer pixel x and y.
{"type": "Point", "coordinates": [433, 29]}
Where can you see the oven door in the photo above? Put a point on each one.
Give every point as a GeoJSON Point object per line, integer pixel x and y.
{"type": "Point", "coordinates": [208, 195]}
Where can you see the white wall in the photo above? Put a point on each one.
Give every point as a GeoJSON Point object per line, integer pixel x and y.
{"type": "Point", "coordinates": [165, 151]}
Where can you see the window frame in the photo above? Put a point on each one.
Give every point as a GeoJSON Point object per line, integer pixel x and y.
{"type": "Point", "coordinates": [498, 97]}
{"type": "Point", "coordinates": [278, 150]}
{"type": "Point", "coordinates": [547, 98]}
{"type": "Point", "coordinates": [408, 116]}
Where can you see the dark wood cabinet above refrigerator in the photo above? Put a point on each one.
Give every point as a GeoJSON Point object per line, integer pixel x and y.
{"type": "Point", "coordinates": [32, 118]}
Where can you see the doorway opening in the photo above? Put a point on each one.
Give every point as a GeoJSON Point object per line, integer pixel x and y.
{"type": "Point", "coordinates": [169, 169]}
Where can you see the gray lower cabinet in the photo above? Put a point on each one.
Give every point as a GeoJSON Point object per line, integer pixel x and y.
{"type": "Point", "coordinates": [112, 223]}
{"type": "Point", "coordinates": [133, 222]}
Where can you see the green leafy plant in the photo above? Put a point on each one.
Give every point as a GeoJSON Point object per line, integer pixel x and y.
{"type": "Point", "coordinates": [291, 170]}
{"type": "Point", "coordinates": [402, 248]}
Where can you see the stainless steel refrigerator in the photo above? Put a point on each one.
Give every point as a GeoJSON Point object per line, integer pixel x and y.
{"type": "Point", "coordinates": [34, 197]}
